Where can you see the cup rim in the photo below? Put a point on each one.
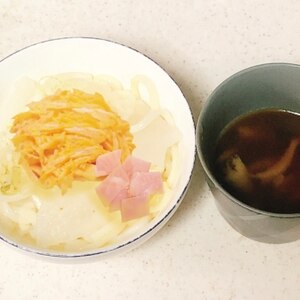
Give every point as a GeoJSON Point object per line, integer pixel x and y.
{"type": "Point", "coordinates": [199, 147]}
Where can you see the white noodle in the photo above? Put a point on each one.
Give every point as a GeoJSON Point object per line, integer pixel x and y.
{"type": "Point", "coordinates": [140, 105]}
{"type": "Point", "coordinates": [145, 89]}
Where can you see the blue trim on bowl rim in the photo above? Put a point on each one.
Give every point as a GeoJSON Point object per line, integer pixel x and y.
{"type": "Point", "coordinates": [131, 241]}
{"type": "Point", "coordinates": [199, 136]}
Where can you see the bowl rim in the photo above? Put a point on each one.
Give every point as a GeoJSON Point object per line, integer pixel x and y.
{"type": "Point", "coordinates": [157, 225]}
{"type": "Point", "coordinates": [205, 109]}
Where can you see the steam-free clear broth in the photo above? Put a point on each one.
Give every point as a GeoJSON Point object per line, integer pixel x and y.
{"type": "Point", "coordinates": [258, 160]}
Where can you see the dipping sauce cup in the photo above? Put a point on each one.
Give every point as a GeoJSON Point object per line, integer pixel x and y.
{"type": "Point", "coordinates": [274, 86]}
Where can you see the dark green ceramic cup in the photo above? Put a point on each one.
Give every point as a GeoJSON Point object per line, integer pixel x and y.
{"type": "Point", "coordinates": [275, 85]}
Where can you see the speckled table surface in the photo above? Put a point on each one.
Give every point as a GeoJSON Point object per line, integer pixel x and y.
{"type": "Point", "coordinates": [196, 255]}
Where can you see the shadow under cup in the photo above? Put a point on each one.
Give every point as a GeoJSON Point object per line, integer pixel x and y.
{"type": "Point", "coordinates": [263, 86]}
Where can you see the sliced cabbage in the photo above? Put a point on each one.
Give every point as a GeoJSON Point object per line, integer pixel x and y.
{"type": "Point", "coordinates": [131, 228]}
{"type": "Point", "coordinates": [145, 89]}
{"type": "Point", "coordinates": [22, 213]}
{"type": "Point", "coordinates": [154, 140]}
{"type": "Point", "coordinates": [160, 201]}
{"type": "Point", "coordinates": [14, 183]}
{"type": "Point", "coordinates": [75, 215]}
{"type": "Point", "coordinates": [105, 234]}
{"type": "Point", "coordinates": [123, 102]}
{"type": "Point", "coordinates": [77, 220]}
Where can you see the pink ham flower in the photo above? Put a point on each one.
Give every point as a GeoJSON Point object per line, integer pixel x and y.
{"type": "Point", "coordinates": [106, 163]}
{"type": "Point", "coordinates": [133, 164]}
{"type": "Point", "coordinates": [114, 188]}
{"type": "Point", "coordinates": [145, 183]}
{"type": "Point", "coordinates": [128, 186]}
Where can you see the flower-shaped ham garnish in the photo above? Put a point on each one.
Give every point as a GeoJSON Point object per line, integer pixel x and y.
{"type": "Point", "coordinates": [127, 187]}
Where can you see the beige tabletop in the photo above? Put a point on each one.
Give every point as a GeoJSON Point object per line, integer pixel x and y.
{"type": "Point", "coordinates": [197, 255]}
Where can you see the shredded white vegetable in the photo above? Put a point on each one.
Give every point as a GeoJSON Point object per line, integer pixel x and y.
{"type": "Point", "coordinates": [145, 89]}
{"type": "Point", "coordinates": [149, 118]}
{"type": "Point", "coordinates": [77, 221]}
{"type": "Point", "coordinates": [14, 185]}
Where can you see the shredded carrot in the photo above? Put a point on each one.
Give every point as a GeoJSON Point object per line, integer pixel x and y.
{"type": "Point", "coordinates": [61, 136]}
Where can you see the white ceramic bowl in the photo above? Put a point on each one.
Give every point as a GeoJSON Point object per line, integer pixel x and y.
{"type": "Point", "coordinates": [96, 56]}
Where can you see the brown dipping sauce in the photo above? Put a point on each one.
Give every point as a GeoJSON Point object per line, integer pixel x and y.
{"type": "Point", "coordinates": [258, 160]}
